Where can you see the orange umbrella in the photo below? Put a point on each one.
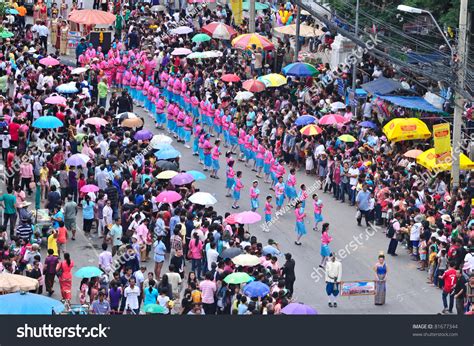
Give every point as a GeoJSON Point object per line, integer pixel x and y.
{"type": "Point", "coordinates": [91, 17]}
{"type": "Point", "coordinates": [253, 85]}
{"type": "Point", "coordinates": [311, 130]}
{"type": "Point", "coordinates": [414, 153]}
{"type": "Point", "coordinates": [132, 122]}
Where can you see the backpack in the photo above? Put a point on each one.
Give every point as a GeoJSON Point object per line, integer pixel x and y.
{"type": "Point", "coordinates": [390, 229]}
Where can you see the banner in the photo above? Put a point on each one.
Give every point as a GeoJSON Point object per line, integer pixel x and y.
{"type": "Point", "coordinates": [357, 288]}
{"type": "Point", "coordinates": [236, 6]}
{"type": "Point", "coordinates": [442, 143]}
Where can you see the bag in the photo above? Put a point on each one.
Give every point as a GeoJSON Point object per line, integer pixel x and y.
{"type": "Point", "coordinates": [358, 214]}
{"type": "Point", "coordinates": [390, 230]}
{"type": "Point", "coordinates": [59, 272]}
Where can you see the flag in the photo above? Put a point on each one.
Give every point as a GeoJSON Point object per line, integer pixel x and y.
{"type": "Point", "coordinates": [236, 6]}
{"type": "Point", "coordinates": [442, 143]}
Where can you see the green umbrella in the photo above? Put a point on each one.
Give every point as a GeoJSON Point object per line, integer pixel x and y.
{"type": "Point", "coordinates": [258, 6]}
{"type": "Point", "coordinates": [6, 34]}
{"type": "Point", "coordinates": [155, 309]}
{"type": "Point", "coordinates": [201, 38]}
{"type": "Point", "coordinates": [238, 278]}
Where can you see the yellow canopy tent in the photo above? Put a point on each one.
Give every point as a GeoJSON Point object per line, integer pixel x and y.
{"type": "Point", "coordinates": [405, 129]}
{"type": "Point", "coordinates": [428, 160]}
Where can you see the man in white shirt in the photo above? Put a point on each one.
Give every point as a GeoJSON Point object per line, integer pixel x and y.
{"type": "Point", "coordinates": [333, 279]}
{"type": "Point", "coordinates": [43, 33]}
{"type": "Point", "coordinates": [37, 109]}
{"type": "Point", "coordinates": [175, 280]}
{"type": "Point", "coordinates": [105, 259]}
{"type": "Point", "coordinates": [212, 255]}
{"type": "Point", "coordinates": [353, 178]}
{"type": "Point", "coordinates": [131, 294]}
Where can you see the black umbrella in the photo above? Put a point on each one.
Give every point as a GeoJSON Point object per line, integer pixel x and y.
{"type": "Point", "coordinates": [168, 165]}
{"type": "Point", "coordinates": [231, 252]}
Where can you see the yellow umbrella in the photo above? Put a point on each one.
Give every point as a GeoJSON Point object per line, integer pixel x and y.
{"type": "Point", "coordinates": [273, 80]}
{"type": "Point", "coordinates": [132, 122]}
{"type": "Point", "coordinates": [247, 41]}
{"type": "Point", "coordinates": [166, 175]}
{"type": "Point", "coordinates": [305, 30]}
{"type": "Point", "coordinates": [347, 138]}
{"type": "Point", "coordinates": [427, 159]}
{"type": "Point", "coordinates": [405, 129]}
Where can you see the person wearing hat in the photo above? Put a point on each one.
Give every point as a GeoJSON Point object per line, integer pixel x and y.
{"type": "Point", "coordinates": [333, 277]}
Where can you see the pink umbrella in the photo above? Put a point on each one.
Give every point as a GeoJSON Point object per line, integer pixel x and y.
{"type": "Point", "coordinates": [247, 218]}
{"type": "Point", "coordinates": [96, 121]}
{"type": "Point", "coordinates": [231, 219]}
{"type": "Point", "coordinates": [168, 197]}
{"type": "Point", "coordinates": [331, 119]}
{"type": "Point", "coordinates": [89, 188]}
{"type": "Point", "coordinates": [49, 61]}
{"type": "Point", "coordinates": [55, 99]}
{"type": "Point", "coordinates": [230, 77]}
{"type": "Point", "coordinates": [181, 51]}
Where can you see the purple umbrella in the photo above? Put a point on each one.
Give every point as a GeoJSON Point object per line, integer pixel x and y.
{"type": "Point", "coordinates": [298, 309]}
{"type": "Point", "coordinates": [143, 135]}
{"type": "Point", "coordinates": [182, 179]}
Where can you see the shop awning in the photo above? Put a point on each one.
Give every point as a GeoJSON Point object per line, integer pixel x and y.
{"type": "Point", "coordinates": [412, 102]}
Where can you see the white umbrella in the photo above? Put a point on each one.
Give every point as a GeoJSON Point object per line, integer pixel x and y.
{"type": "Point", "coordinates": [79, 70]}
{"type": "Point", "coordinates": [203, 198]}
{"type": "Point", "coordinates": [14, 283]}
{"type": "Point", "coordinates": [181, 30]}
{"type": "Point", "coordinates": [159, 140]}
{"type": "Point", "coordinates": [337, 105]}
{"type": "Point", "coordinates": [158, 8]}
{"type": "Point", "coordinates": [181, 51]}
{"type": "Point", "coordinates": [126, 115]}
{"type": "Point", "coordinates": [243, 96]}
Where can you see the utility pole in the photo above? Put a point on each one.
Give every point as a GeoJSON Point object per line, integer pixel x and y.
{"type": "Point", "coordinates": [298, 26]}
{"type": "Point", "coordinates": [354, 66]}
{"type": "Point", "coordinates": [460, 66]}
{"type": "Point", "coordinates": [252, 16]}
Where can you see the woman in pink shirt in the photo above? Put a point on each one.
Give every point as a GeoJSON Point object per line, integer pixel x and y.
{"type": "Point", "coordinates": [267, 161]}
{"type": "Point", "coordinates": [215, 152]}
{"type": "Point", "coordinates": [207, 153]}
{"type": "Point", "coordinates": [259, 162]}
{"type": "Point", "coordinates": [188, 127]}
{"type": "Point", "coordinates": [300, 227]}
{"type": "Point", "coordinates": [318, 209]}
{"type": "Point", "coordinates": [160, 115]}
{"type": "Point", "coordinates": [26, 175]}
{"type": "Point", "coordinates": [195, 254]}
{"type": "Point", "coordinates": [290, 185]}
{"type": "Point", "coordinates": [233, 133]}
{"type": "Point", "coordinates": [236, 190]}
{"type": "Point", "coordinates": [230, 175]}
{"type": "Point", "coordinates": [325, 240]}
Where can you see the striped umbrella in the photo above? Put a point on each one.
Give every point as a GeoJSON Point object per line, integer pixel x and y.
{"type": "Point", "coordinates": [219, 30]}
{"type": "Point", "coordinates": [253, 85]}
{"type": "Point", "coordinates": [247, 41]}
{"type": "Point", "coordinates": [273, 80]}
{"type": "Point", "coordinates": [311, 130]}
{"type": "Point", "coordinates": [300, 69]}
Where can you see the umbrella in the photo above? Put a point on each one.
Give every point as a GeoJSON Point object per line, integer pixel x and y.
{"type": "Point", "coordinates": [305, 30]}
{"type": "Point", "coordinates": [337, 105]}
{"type": "Point", "coordinates": [273, 80]}
{"type": "Point", "coordinates": [368, 124]}
{"type": "Point", "coordinates": [167, 154]}
{"type": "Point", "coordinates": [219, 30]}
{"type": "Point", "coordinates": [12, 11]}
{"type": "Point", "coordinates": [427, 159]}
{"type": "Point", "coordinates": [47, 122]}
{"type": "Point", "coordinates": [55, 99]}
{"type": "Point", "coordinates": [143, 135]}
{"type": "Point", "coordinates": [331, 119]}
{"type": "Point", "coordinates": [253, 85]}
{"type": "Point", "coordinates": [347, 138]}
{"type": "Point", "coordinates": [305, 120]}
{"type": "Point", "coordinates": [89, 188]}
{"type": "Point", "coordinates": [247, 41]}
{"type": "Point", "coordinates": [246, 260]}
{"type": "Point", "coordinates": [182, 179]}
{"type": "Point", "coordinates": [201, 38]}
{"type": "Point", "coordinates": [311, 130]}
{"type": "Point", "coordinates": [88, 272]}
{"type": "Point", "coordinates": [67, 88]}
{"type": "Point", "coordinates": [79, 70]}
{"type": "Point", "coordinates": [49, 61]}
{"type": "Point", "coordinates": [6, 34]}
{"type": "Point", "coordinates": [181, 30]}
{"type": "Point", "coordinates": [205, 55]}
{"type": "Point", "coordinates": [404, 129]}
{"type": "Point", "coordinates": [22, 303]}
{"type": "Point", "coordinates": [126, 115]}
{"type": "Point", "coordinates": [155, 309]}
{"type": "Point", "coordinates": [77, 160]}
{"type": "Point", "coordinates": [243, 96]}
{"type": "Point", "coordinates": [202, 198]}
{"type": "Point", "coordinates": [160, 139]}
{"type": "Point", "coordinates": [132, 123]}
{"type": "Point", "coordinates": [298, 309]}
{"type": "Point", "coordinates": [166, 175]}
{"type": "Point", "coordinates": [167, 165]}
{"type": "Point", "coordinates": [158, 8]}
{"type": "Point", "coordinates": [247, 218]}
{"type": "Point", "coordinates": [230, 78]}
{"type": "Point", "coordinates": [300, 69]}
{"type": "Point", "coordinates": [256, 289]}
{"type": "Point", "coordinates": [91, 17]}
{"type": "Point", "coordinates": [258, 6]}
{"type": "Point", "coordinates": [414, 153]}
{"type": "Point", "coordinates": [181, 51]}
{"type": "Point", "coordinates": [162, 146]}
{"type": "Point", "coordinates": [13, 283]}
{"type": "Point", "coordinates": [197, 175]}
{"type": "Point", "coordinates": [231, 219]}
{"type": "Point", "coordinates": [231, 252]}
{"type": "Point", "coordinates": [96, 121]}
{"type": "Point", "coordinates": [238, 278]}
{"type": "Point", "coordinates": [168, 197]}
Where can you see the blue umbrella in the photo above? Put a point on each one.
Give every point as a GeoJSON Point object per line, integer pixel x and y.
{"type": "Point", "coordinates": [166, 154]}
{"type": "Point", "coordinates": [22, 303]}
{"type": "Point", "coordinates": [88, 272]}
{"type": "Point", "coordinates": [368, 124]}
{"type": "Point", "coordinates": [197, 175]}
{"type": "Point", "coordinates": [300, 69]}
{"type": "Point", "coordinates": [305, 120]}
{"type": "Point", "coordinates": [47, 122]}
{"type": "Point", "coordinates": [12, 11]}
{"type": "Point", "coordinates": [256, 289]}
{"type": "Point", "coordinates": [68, 88]}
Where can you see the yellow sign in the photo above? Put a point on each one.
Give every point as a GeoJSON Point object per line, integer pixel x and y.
{"type": "Point", "coordinates": [442, 142]}
{"type": "Point", "coordinates": [236, 6]}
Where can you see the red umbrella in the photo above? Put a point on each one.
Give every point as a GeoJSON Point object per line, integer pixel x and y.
{"type": "Point", "coordinates": [219, 30]}
{"type": "Point", "coordinates": [253, 85]}
{"type": "Point", "coordinates": [331, 119]}
{"type": "Point", "coordinates": [230, 78]}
